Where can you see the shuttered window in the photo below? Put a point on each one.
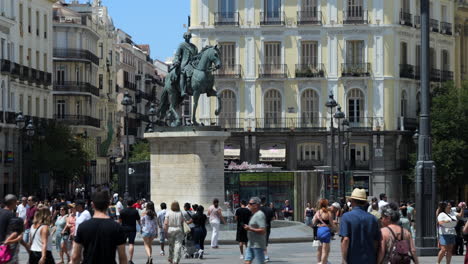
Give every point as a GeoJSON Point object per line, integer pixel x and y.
{"type": "Point", "coordinates": [309, 52]}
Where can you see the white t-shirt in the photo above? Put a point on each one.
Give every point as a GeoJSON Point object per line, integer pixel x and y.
{"type": "Point", "coordinates": [382, 203]}
{"type": "Point", "coordinates": [447, 228]}
{"type": "Point", "coordinates": [119, 206]}
{"type": "Point", "coordinates": [21, 211]}
{"type": "Point", "coordinates": [81, 217]}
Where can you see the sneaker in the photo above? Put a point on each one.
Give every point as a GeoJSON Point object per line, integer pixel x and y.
{"type": "Point", "coordinates": [200, 254]}
{"type": "Point", "coordinates": [267, 259]}
{"type": "Point", "coordinates": [196, 255]}
{"type": "Point", "coordinates": [161, 253]}
{"type": "Point", "coordinates": [241, 256]}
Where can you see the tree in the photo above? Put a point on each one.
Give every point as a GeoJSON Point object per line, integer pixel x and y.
{"type": "Point", "coordinates": [140, 152]}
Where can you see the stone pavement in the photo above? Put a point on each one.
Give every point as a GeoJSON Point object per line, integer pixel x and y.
{"type": "Point", "coordinates": [294, 253]}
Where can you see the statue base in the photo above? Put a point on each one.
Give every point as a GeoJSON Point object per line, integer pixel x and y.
{"type": "Point", "coordinates": [187, 165]}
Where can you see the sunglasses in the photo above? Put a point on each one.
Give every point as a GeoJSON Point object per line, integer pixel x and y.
{"type": "Point", "coordinates": [252, 203]}
{"type": "Point", "coordinates": [29, 200]}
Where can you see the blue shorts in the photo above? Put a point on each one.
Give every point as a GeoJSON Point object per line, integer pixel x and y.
{"type": "Point", "coordinates": [162, 236]}
{"type": "Point", "coordinates": [146, 234]}
{"type": "Point", "coordinates": [446, 240]}
{"type": "Point", "coordinates": [324, 234]}
{"type": "Point", "coordinates": [255, 253]}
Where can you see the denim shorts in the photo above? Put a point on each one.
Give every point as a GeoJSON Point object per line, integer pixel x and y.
{"type": "Point", "coordinates": [145, 234]}
{"type": "Point", "coordinates": [446, 240]}
{"type": "Point", "coordinates": [162, 236]}
{"type": "Point", "coordinates": [255, 253]}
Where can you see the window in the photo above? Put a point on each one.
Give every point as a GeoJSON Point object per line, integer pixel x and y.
{"type": "Point", "coordinates": [3, 49]}
{"type": "Point", "coordinates": [309, 7]}
{"type": "Point", "coordinates": [309, 53]}
{"type": "Point", "coordinates": [404, 104]}
{"type": "Point", "coordinates": [60, 109]}
{"type": "Point", "coordinates": [2, 96]}
{"type": "Point", "coordinates": [45, 26]}
{"type": "Point", "coordinates": [403, 53]}
{"type": "Point", "coordinates": [60, 75]}
{"type": "Point", "coordinates": [21, 54]}
{"type": "Point", "coordinates": [29, 19]}
{"type": "Point", "coordinates": [432, 59]}
{"type": "Point", "coordinates": [273, 109]}
{"type": "Point", "coordinates": [101, 81]}
{"type": "Point", "coordinates": [226, 8]}
{"type": "Point", "coordinates": [29, 106]}
{"type": "Point", "coordinates": [359, 156]}
{"type": "Point", "coordinates": [309, 151]}
{"type": "Point", "coordinates": [38, 109]}
{"type": "Point", "coordinates": [309, 107]}
{"type": "Point", "coordinates": [445, 60]}
{"type": "Point", "coordinates": [273, 9]}
{"type": "Point", "coordinates": [405, 6]}
{"type": "Point", "coordinates": [78, 74]}
{"type": "Point", "coordinates": [227, 117]}
{"type": "Point", "coordinates": [29, 58]}
{"type": "Point", "coordinates": [101, 51]}
{"type": "Point", "coordinates": [355, 9]}
{"type": "Point", "coordinates": [443, 14]}
{"type": "Point", "coordinates": [21, 17]}
{"type": "Point", "coordinates": [354, 51]}
{"type": "Point", "coordinates": [21, 103]}
{"type": "Point", "coordinates": [355, 106]}
{"type": "Point", "coordinates": [272, 53]}
{"type": "Point", "coordinates": [45, 63]}
{"type": "Point", "coordinates": [38, 17]}
{"type": "Point", "coordinates": [45, 112]}
{"type": "Point", "coordinates": [38, 60]}
{"type": "Point", "coordinates": [78, 108]}
{"type": "Point", "coordinates": [228, 57]}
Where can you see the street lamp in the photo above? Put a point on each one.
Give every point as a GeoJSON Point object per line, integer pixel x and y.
{"type": "Point", "coordinates": [346, 149]}
{"type": "Point", "coordinates": [331, 103]}
{"type": "Point", "coordinates": [127, 103]}
{"type": "Point", "coordinates": [30, 130]}
{"type": "Point", "coordinates": [152, 117]}
{"type": "Point", "coordinates": [338, 116]}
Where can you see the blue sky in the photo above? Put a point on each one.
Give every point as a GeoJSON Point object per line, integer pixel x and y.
{"type": "Point", "coordinates": [159, 23]}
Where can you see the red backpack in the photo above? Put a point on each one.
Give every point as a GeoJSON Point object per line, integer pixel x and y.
{"type": "Point", "coordinates": [401, 250]}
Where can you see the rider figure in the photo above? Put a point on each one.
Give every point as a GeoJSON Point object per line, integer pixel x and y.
{"type": "Point", "coordinates": [183, 56]}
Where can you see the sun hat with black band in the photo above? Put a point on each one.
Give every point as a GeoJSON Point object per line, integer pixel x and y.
{"type": "Point", "coordinates": [359, 194]}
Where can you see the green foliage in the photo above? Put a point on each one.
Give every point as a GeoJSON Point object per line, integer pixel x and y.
{"type": "Point", "coordinates": [106, 144]}
{"type": "Point", "coordinates": [59, 152]}
{"type": "Point", "coordinates": [140, 152]}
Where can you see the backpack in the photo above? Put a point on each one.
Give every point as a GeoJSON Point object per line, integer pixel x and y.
{"type": "Point", "coordinates": [401, 250]}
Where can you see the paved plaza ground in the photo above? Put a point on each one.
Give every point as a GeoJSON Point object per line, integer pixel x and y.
{"type": "Point", "coordinates": [294, 253]}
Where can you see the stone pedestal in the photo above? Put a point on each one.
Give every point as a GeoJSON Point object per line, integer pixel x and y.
{"type": "Point", "coordinates": [187, 165]}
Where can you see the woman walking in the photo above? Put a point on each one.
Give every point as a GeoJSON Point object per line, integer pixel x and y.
{"type": "Point", "coordinates": [149, 229]}
{"type": "Point", "coordinates": [216, 217]}
{"type": "Point", "coordinates": [447, 221]}
{"type": "Point", "coordinates": [61, 235]}
{"type": "Point", "coordinates": [41, 242]}
{"type": "Point", "coordinates": [173, 228]}
{"type": "Point", "coordinates": [199, 220]}
{"type": "Point", "coordinates": [323, 219]}
{"type": "Point", "coordinates": [391, 233]}
{"type": "Point", "coordinates": [15, 232]}
{"type": "Point", "coordinates": [308, 214]}
{"type": "Point", "coordinates": [70, 227]}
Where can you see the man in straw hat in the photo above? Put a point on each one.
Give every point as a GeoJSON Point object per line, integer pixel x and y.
{"type": "Point", "coordinates": [359, 231]}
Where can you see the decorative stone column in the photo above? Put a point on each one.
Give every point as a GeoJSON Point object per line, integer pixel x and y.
{"type": "Point", "coordinates": [187, 165]}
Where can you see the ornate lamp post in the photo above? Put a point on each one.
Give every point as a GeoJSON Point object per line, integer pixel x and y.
{"type": "Point", "coordinates": [127, 103]}
{"type": "Point", "coordinates": [331, 103]}
{"type": "Point", "coordinates": [338, 116]}
{"type": "Point", "coordinates": [152, 117]}
{"type": "Point", "coordinates": [346, 146]}
{"type": "Point", "coordinates": [20, 123]}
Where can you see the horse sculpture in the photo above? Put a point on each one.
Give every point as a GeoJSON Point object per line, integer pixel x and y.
{"type": "Point", "coordinates": [201, 82]}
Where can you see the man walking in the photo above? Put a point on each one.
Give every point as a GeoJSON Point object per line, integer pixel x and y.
{"type": "Point", "coordinates": [288, 211]}
{"type": "Point", "coordinates": [359, 231]}
{"type": "Point", "coordinates": [243, 215]}
{"type": "Point", "coordinates": [30, 212]}
{"type": "Point", "coordinates": [383, 201]}
{"type": "Point", "coordinates": [82, 215]}
{"type": "Point", "coordinates": [22, 208]}
{"type": "Point", "coordinates": [128, 218]}
{"type": "Point", "coordinates": [162, 234]}
{"type": "Point", "coordinates": [269, 216]}
{"type": "Point", "coordinates": [256, 233]}
{"type": "Point", "coordinates": [99, 238]}
{"type": "Point", "coordinates": [6, 214]}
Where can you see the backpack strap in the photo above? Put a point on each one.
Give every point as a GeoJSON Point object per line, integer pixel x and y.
{"type": "Point", "coordinates": [393, 234]}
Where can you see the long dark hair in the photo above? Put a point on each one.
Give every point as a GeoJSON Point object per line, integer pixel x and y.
{"type": "Point", "coordinates": [150, 210]}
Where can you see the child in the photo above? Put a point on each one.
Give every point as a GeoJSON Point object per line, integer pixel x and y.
{"type": "Point", "coordinates": [14, 237]}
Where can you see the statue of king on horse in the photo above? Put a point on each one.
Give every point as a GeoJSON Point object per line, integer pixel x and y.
{"type": "Point", "coordinates": [190, 75]}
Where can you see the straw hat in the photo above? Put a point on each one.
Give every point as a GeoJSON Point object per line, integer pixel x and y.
{"type": "Point", "coordinates": [359, 194]}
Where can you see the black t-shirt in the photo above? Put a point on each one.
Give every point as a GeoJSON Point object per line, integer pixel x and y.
{"type": "Point", "coordinates": [100, 238]}
{"type": "Point", "coordinates": [199, 220]}
{"type": "Point", "coordinates": [129, 217]}
{"type": "Point", "coordinates": [269, 214]}
{"type": "Point", "coordinates": [243, 217]}
{"type": "Point", "coordinates": [5, 217]}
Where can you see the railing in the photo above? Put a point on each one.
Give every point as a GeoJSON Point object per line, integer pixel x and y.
{"type": "Point", "coordinates": [232, 124]}
{"type": "Point", "coordinates": [417, 21]}
{"type": "Point", "coordinates": [406, 71]}
{"type": "Point", "coordinates": [5, 66]}
{"type": "Point", "coordinates": [358, 123]}
{"type": "Point", "coordinates": [358, 16]}
{"type": "Point", "coordinates": [435, 75]}
{"type": "Point", "coordinates": [143, 95]}
{"type": "Point", "coordinates": [272, 71]}
{"type": "Point", "coordinates": [359, 165]}
{"type": "Point", "coordinates": [32, 75]}
{"type": "Point", "coordinates": [78, 54]}
{"type": "Point", "coordinates": [446, 76]}
{"type": "Point", "coordinates": [226, 19]}
{"type": "Point", "coordinates": [279, 123]}
{"type": "Point", "coordinates": [355, 69]}
{"type": "Point", "coordinates": [446, 28]}
{"type": "Point", "coordinates": [434, 25]}
{"type": "Point", "coordinates": [406, 19]}
{"type": "Point", "coordinates": [406, 123]}
{"type": "Point", "coordinates": [80, 87]}
{"type": "Point", "coordinates": [78, 120]}
{"type": "Point", "coordinates": [309, 18]}
{"type": "Point", "coordinates": [48, 79]}
{"type": "Point", "coordinates": [42, 77]}
{"type": "Point", "coordinates": [310, 70]}
{"type": "Point", "coordinates": [24, 73]}
{"type": "Point", "coordinates": [272, 18]}
{"type": "Point", "coordinates": [129, 85]}
{"type": "Point", "coordinates": [229, 71]}
{"type": "Point", "coordinates": [15, 69]}
{"type": "Point", "coordinates": [417, 72]}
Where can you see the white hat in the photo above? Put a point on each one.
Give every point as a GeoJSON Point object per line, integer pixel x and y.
{"type": "Point", "coordinates": [359, 194]}
{"type": "Point", "coordinates": [116, 195]}
{"type": "Point", "coordinates": [336, 205]}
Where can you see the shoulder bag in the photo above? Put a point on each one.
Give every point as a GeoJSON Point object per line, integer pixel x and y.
{"type": "Point", "coordinates": [185, 227]}
{"type": "Point", "coordinates": [5, 254]}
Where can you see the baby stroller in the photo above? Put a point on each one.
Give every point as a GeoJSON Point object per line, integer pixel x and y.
{"type": "Point", "coordinates": [188, 246]}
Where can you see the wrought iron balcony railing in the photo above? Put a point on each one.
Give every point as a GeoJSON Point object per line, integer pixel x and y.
{"type": "Point", "coordinates": [15, 70]}
{"type": "Point", "coordinates": [355, 69]}
{"type": "Point", "coordinates": [309, 17]}
{"type": "Point", "coordinates": [272, 18]}
{"type": "Point", "coordinates": [76, 54]}
{"type": "Point", "coordinates": [407, 71]}
{"type": "Point", "coordinates": [435, 75]}
{"type": "Point", "coordinates": [434, 25]}
{"type": "Point", "coordinates": [227, 19]}
{"type": "Point", "coordinates": [272, 71]}
{"type": "Point", "coordinates": [446, 76]}
{"type": "Point", "coordinates": [406, 19]}
{"type": "Point", "coordinates": [78, 120]}
{"type": "Point", "coordinates": [417, 21]}
{"type": "Point", "coordinates": [310, 70]}
{"type": "Point", "coordinates": [229, 71]}
{"type": "Point", "coordinates": [5, 66]}
{"type": "Point", "coordinates": [24, 73]}
{"type": "Point", "coordinates": [417, 72]}
{"type": "Point", "coordinates": [79, 87]}
{"type": "Point", "coordinates": [446, 28]}
{"type": "Point", "coordinates": [357, 16]}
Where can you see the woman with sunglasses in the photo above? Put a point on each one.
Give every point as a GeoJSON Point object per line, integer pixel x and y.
{"type": "Point", "coordinates": [62, 234]}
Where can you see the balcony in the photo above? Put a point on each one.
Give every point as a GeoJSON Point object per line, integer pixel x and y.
{"type": "Point", "coordinates": [356, 164]}
{"type": "Point", "coordinates": [290, 124]}
{"type": "Point", "coordinates": [48, 79]}
{"type": "Point", "coordinates": [78, 120]}
{"type": "Point", "coordinates": [406, 123]}
{"type": "Point", "coordinates": [358, 16]}
{"type": "Point", "coordinates": [407, 71]}
{"type": "Point", "coordinates": [310, 70]}
{"type": "Point", "coordinates": [309, 18]}
{"type": "Point", "coordinates": [129, 85]}
{"type": "Point", "coordinates": [446, 76]}
{"type": "Point", "coordinates": [15, 69]}
{"type": "Point", "coordinates": [33, 77]}
{"type": "Point", "coordinates": [417, 72]}
{"type": "Point", "coordinates": [272, 18]}
{"type": "Point", "coordinates": [359, 123]}
{"type": "Point", "coordinates": [76, 54]}
{"type": "Point", "coordinates": [446, 28]}
{"type": "Point", "coordinates": [143, 95]}
{"type": "Point", "coordinates": [5, 66]}
{"type": "Point", "coordinates": [148, 78]}
{"type": "Point", "coordinates": [272, 71]}
{"type": "Point", "coordinates": [406, 19]}
{"type": "Point", "coordinates": [76, 87]}
{"type": "Point", "coordinates": [231, 124]}
{"type": "Point", "coordinates": [42, 77]}
{"type": "Point", "coordinates": [434, 25]}
{"type": "Point", "coordinates": [229, 71]}
{"type": "Point", "coordinates": [417, 21]}
{"type": "Point", "coordinates": [434, 75]}
{"type": "Point", "coordinates": [24, 73]}
{"type": "Point", "coordinates": [226, 19]}
{"type": "Point", "coordinates": [355, 69]}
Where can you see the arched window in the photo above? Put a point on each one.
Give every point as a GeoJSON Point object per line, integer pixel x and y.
{"type": "Point", "coordinates": [404, 104]}
{"type": "Point", "coordinates": [309, 107]}
{"type": "Point", "coordinates": [227, 117]}
{"type": "Point", "coordinates": [355, 106]}
{"type": "Point", "coordinates": [272, 107]}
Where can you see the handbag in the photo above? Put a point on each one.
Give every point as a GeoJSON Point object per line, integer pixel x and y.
{"type": "Point", "coordinates": [185, 227]}
{"type": "Point", "coordinates": [5, 254]}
